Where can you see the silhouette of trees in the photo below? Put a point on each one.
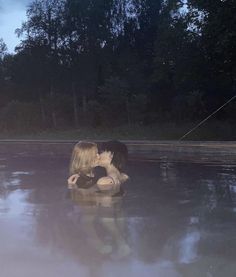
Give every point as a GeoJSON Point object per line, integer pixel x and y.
{"type": "Point", "coordinates": [118, 62]}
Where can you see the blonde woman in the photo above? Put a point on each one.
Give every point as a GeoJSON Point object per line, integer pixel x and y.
{"type": "Point", "coordinates": [84, 159]}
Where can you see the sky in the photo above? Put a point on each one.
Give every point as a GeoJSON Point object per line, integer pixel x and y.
{"type": "Point", "coordinates": [12, 14]}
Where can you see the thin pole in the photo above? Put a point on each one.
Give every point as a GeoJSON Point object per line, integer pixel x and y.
{"type": "Point", "coordinates": [199, 124]}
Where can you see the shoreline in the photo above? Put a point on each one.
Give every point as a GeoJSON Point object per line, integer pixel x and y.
{"type": "Point", "coordinates": [152, 150]}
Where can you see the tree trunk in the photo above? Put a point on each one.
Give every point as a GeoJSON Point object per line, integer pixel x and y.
{"type": "Point", "coordinates": [84, 104]}
{"type": "Point", "coordinates": [75, 107]}
{"type": "Point", "coordinates": [53, 112]}
{"type": "Point", "coordinates": [128, 111]}
{"type": "Point", "coordinates": [42, 109]}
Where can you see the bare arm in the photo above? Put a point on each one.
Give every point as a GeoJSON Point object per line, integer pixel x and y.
{"type": "Point", "coordinates": [106, 183]}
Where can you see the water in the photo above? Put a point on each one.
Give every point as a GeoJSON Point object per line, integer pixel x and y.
{"type": "Point", "coordinates": [177, 219]}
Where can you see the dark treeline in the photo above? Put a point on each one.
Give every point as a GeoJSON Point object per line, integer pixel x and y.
{"type": "Point", "coordinates": [119, 62]}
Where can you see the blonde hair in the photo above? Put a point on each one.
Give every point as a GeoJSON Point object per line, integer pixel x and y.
{"type": "Point", "coordinates": [83, 157]}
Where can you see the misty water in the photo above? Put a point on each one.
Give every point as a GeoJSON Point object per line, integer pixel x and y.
{"type": "Point", "coordinates": [176, 219]}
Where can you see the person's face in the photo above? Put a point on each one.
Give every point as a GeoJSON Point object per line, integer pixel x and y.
{"type": "Point", "coordinates": [96, 159]}
{"type": "Point", "coordinates": [105, 158]}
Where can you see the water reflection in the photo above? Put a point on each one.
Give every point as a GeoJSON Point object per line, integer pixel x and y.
{"type": "Point", "coordinates": [103, 222]}
{"type": "Point", "coordinates": [177, 219]}
{"type": "Point", "coordinates": [188, 247]}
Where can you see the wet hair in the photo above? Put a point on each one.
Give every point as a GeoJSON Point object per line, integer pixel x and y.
{"type": "Point", "coordinates": [83, 157]}
{"type": "Point", "coordinates": [119, 150]}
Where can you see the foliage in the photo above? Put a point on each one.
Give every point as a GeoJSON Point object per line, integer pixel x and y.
{"type": "Point", "coordinates": [3, 48]}
{"type": "Point", "coordinates": [19, 116]}
{"type": "Point", "coordinates": [119, 62]}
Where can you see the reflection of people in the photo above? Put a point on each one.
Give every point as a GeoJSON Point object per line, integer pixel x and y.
{"type": "Point", "coordinates": [102, 221]}
{"type": "Point", "coordinates": [86, 172]}
{"type": "Point", "coordinates": [94, 181]}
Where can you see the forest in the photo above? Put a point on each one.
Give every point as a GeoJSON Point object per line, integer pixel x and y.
{"type": "Point", "coordinates": [111, 63]}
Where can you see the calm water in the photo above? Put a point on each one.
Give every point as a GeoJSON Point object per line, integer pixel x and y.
{"type": "Point", "coordinates": [177, 219]}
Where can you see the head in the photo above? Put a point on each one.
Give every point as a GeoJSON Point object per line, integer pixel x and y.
{"type": "Point", "coordinates": [118, 153]}
{"type": "Point", "coordinates": [105, 158]}
{"type": "Point", "coordinates": [84, 157]}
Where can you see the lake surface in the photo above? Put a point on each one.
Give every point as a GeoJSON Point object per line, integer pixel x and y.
{"type": "Point", "coordinates": [176, 219]}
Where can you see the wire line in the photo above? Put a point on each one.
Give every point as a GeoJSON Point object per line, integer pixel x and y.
{"type": "Point", "coordinates": [204, 120]}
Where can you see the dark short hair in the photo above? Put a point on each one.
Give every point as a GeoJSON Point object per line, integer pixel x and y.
{"type": "Point", "coordinates": [119, 150]}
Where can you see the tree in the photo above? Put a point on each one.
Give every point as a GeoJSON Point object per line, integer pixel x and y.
{"type": "Point", "coordinates": [42, 43]}
{"type": "Point", "coordinates": [180, 67]}
{"type": "Point", "coordinates": [3, 75]}
{"type": "Point", "coordinates": [216, 24]}
{"type": "Point", "coordinates": [3, 48]}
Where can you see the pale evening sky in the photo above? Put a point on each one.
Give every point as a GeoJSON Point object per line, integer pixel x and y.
{"type": "Point", "coordinates": [12, 14]}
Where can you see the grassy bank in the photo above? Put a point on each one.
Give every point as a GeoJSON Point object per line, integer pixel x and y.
{"type": "Point", "coordinates": [163, 131]}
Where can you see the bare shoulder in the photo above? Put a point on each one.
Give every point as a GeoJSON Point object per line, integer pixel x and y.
{"type": "Point", "coordinates": [105, 183]}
